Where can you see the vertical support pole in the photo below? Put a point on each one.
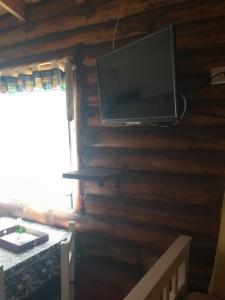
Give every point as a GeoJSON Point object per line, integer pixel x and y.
{"type": "Point", "coordinates": [174, 285]}
{"type": "Point", "coordinates": [186, 268]}
{"type": "Point", "coordinates": [165, 293]}
{"type": "Point", "coordinates": [65, 276]}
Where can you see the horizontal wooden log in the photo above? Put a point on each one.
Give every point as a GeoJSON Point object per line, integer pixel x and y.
{"type": "Point", "coordinates": [199, 279]}
{"type": "Point", "coordinates": [114, 270]}
{"type": "Point", "coordinates": [75, 16]}
{"type": "Point", "coordinates": [69, 17]}
{"type": "Point", "coordinates": [136, 214]}
{"type": "Point", "coordinates": [201, 60]}
{"type": "Point", "coordinates": [172, 189]}
{"type": "Point", "coordinates": [165, 161]}
{"type": "Point", "coordinates": [114, 267]}
{"type": "Point", "coordinates": [41, 215]}
{"type": "Point", "coordinates": [187, 37]}
{"type": "Point", "coordinates": [60, 41]}
{"type": "Point", "coordinates": [31, 59]}
{"type": "Point", "coordinates": [195, 37]}
{"type": "Point", "coordinates": [202, 252]}
{"type": "Point", "coordinates": [214, 106]}
{"type": "Point", "coordinates": [192, 62]}
{"type": "Point", "coordinates": [92, 288]}
{"type": "Point", "coordinates": [210, 207]}
{"type": "Point", "coordinates": [103, 251]}
{"type": "Point", "coordinates": [83, 12]}
{"type": "Point", "coordinates": [198, 118]}
{"type": "Point", "coordinates": [113, 274]}
{"type": "Point", "coordinates": [89, 54]}
{"type": "Point", "coordinates": [204, 93]}
{"type": "Point", "coordinates": [107, 250]}
{"type": "Point", "coordinates": [7, 20]}
{"type": "Point", "coordinates": [178, 138]}
{"type": "Point", "coordinates": [43, 10]}
{"type": "Point", "coordinates": [115, 230]}
{"type": "Point", "coordinates": [94, 249]}
{"type": "Point", "coordinates": [197, 61]}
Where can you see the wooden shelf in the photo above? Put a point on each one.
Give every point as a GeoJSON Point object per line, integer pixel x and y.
{"type": "Point", "coordinates": [95, 174]}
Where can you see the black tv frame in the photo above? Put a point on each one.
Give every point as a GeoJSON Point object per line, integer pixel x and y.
{"type": "Point", "coordinates": [139, 120]}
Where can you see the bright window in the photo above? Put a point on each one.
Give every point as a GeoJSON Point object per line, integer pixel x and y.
{"type": "Point", "coordinates": [34, 149]}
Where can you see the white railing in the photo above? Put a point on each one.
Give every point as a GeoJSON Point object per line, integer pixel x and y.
{"type": "Point", "coordinates": [67, 253]}
{"type": "Point", "coordinates": [167, 279]}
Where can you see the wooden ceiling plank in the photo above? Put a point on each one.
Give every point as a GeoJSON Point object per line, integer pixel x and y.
{"type": "Point", "coordinates": [15, 7]}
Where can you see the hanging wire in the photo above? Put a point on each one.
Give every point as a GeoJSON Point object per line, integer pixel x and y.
{"type": "Point", "coordinates": [180, 118]}
{"type": "Point", "coordinates": [123, 4]}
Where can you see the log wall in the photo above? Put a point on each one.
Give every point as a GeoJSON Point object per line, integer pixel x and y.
{"type": "Point", "coordinates": [174, 177]}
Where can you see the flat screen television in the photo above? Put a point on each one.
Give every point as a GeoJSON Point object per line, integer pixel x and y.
{"type": "Point", "coordinates": [137, 83]}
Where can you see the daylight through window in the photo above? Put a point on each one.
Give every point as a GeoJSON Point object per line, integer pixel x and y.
{"type": "Point", "coordinates": [35, 149]}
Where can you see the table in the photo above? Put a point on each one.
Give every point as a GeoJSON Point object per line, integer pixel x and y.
{"type": "Point", "coordinates": [26, 272]}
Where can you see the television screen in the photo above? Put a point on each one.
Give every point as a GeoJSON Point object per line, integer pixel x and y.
{"type": "Point", "coordinates": [137, 83]}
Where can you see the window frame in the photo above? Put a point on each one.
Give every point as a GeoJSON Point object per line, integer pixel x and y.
{"type": "Point", "coordinates": [54, 217]}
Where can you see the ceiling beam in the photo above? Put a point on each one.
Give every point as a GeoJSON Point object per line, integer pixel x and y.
{"type": "Point", "coordinates": [15, 7]}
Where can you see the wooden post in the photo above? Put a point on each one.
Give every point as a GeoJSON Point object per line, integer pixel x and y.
{"type": "Point", "coordinates": [67, 250]}
{"type": "Point", "coordinates": [64, 270]}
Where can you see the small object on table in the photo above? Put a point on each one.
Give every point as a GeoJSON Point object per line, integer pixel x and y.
{"type": "Point", "coordinates": [20, 238]}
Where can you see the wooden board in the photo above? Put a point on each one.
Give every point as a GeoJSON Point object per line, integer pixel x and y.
{"type": "Point", "coordinates": [97, 174]}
